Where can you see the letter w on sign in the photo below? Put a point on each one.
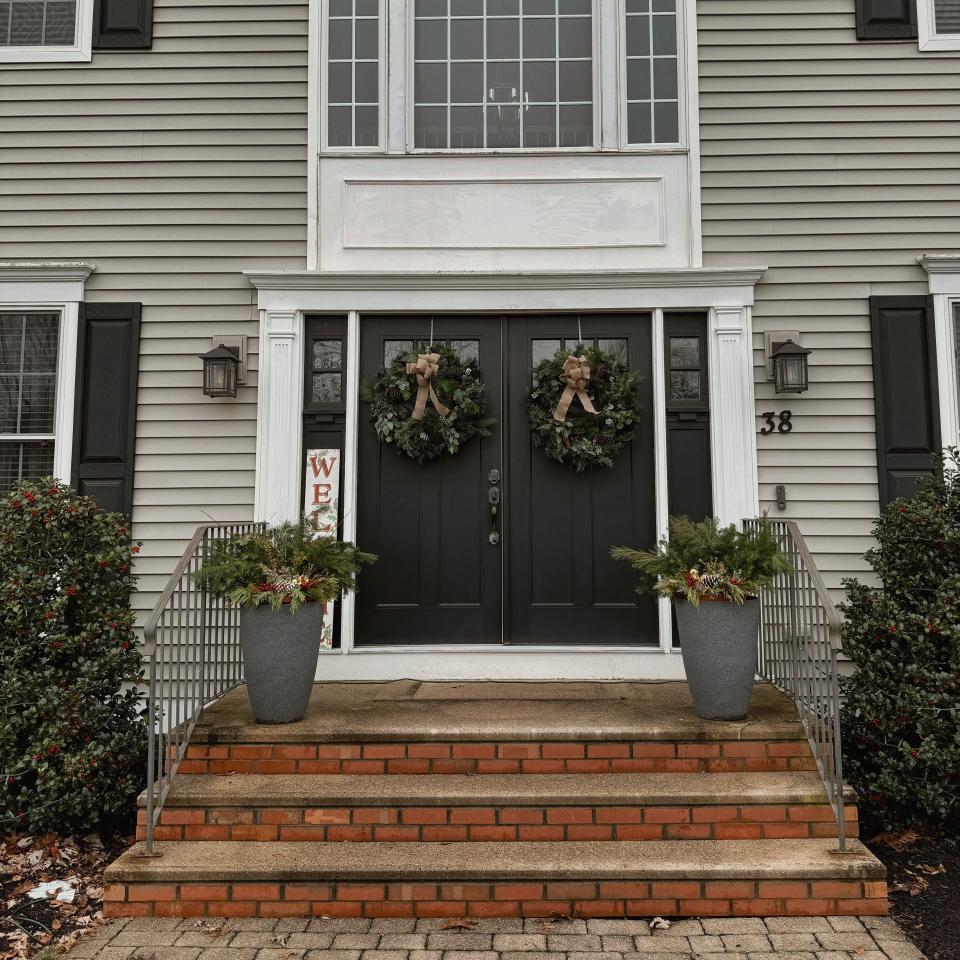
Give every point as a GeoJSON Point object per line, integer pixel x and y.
{"type": "Point", "coordinates": [322, 508]}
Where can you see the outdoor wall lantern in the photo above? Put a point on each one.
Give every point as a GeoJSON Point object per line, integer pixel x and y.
{"type": "Point", "coordinates": [221, 367]}
{"type": "Point", "coordinates": [790, 367]}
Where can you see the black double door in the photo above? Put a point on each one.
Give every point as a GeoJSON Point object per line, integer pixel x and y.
{"type": "Point", "coordinates": [537, 571]}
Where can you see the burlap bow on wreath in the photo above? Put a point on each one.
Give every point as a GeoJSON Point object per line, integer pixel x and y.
{"type": "Point", "coordinates": [576, 376]}
{"type": "Point", "coordinates": [426, 367]}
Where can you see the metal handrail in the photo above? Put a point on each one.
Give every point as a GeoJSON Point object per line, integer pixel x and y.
{"type": "Point", "coordinates": [192, 653]}
{"type": "Point", "coordinates": [799, 648]}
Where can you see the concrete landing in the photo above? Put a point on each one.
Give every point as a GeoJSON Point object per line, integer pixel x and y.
{"type": "Point", "coordinates": [515, 711]}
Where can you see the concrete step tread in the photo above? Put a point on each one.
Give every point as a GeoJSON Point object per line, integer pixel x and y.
{"type": "Point", "coordinates": [228, 861]}
{"type": "Point", "coordinates": [414, 711]}
{"type": "Point", "coordinates": [603, 789]}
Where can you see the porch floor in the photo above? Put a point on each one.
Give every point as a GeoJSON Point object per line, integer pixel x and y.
{"type": "Point", "coordinates": [519, 711]}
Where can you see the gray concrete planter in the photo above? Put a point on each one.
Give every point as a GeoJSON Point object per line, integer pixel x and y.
{"type": "Point", "coordinates": [280, 652]}
{"type": "Point", "coordinates": [718, 640]}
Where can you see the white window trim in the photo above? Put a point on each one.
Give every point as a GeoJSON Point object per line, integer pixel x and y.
{"type": "Point", "coordinates": [610, 113]}
{"type": "Point", "coordinates": [51, 287]}
{"type": "Point", "coordinates": [930, 40]}
{"type": "Point", "coordinates": [943, 274]}
{"type": "Point", "coordinates": [81, 50]}
{"type": "Point", "coordinates": [285, 297]}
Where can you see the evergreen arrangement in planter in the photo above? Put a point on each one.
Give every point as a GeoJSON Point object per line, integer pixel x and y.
{"type": "Point", "coordinates": [901, 719]}
{"type": "Point", "coordinates": [72, 738]}
{"type": "Point", "coordinates": [714, 575]}
{"type": "Point", "coordinates": [271, 575]}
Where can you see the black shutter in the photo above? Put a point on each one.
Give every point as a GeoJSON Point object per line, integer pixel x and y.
{"type": "Point", "coordinates": [122, 24]}
{"type": "Point", "coordinates": [886, 19]}
{"type": "Point", "coordinates": [905, 387]}
{"type": "Point", "coordinates": [105, 411]}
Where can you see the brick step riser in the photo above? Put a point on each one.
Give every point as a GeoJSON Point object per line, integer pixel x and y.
{"type": "Point", "coordinates": [499, 824]}
{"type": "Point", "coordinates": [500, 758]}
{"type": "Point", "coordinates": [614, 898]}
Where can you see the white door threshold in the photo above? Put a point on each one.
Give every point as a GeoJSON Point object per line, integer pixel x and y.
{"type": "Point", "coordinates": [496, 662]}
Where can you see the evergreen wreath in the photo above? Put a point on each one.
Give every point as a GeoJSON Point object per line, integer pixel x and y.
{"type": "Point", "coordinates": [454, 410]}
{"type": "Point", "coordinates": [584, 439]}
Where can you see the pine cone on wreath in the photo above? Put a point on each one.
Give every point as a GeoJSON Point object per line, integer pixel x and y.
{"type": "Point", "coordinates": [602, 370]}
{"type": "Point", "coordinates": [393, 394]}
{"type": "Point", "coordinates": [455, 373]}
{"type": "Point", "coordinates": [436, 438]}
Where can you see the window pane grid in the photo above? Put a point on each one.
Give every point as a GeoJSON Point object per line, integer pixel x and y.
{"type": "Point", "coordinates": [947, 15]}
{"type": "Point", "coordinates": [652, 87]}
{"type": "Point", "coordinates": [38, 23]}
{"type": "Point", "coordinates": [480, 74]}
{"type": "Point", "coordinates": [28, 374]}
{"type": "Point", "coordinates": [353, 73]}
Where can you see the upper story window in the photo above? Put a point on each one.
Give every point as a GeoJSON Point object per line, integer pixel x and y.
{"type": "Point", "coordinates": [514, 75]}
{"type": "Point", "coordinates": [41, 30]}
{"type": "Point", "coordinates": [938, 22]}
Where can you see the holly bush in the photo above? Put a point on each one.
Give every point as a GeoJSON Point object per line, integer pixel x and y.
{"type": "Point", "coordinates": [72, 740]}
{"type": "Point", "coordinates": [902, 711]}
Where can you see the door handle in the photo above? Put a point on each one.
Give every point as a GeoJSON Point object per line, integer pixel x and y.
{"type": "Point", "coordinates": [493, 498]}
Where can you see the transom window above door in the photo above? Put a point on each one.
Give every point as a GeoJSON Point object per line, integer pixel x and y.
{"type": "Point", "coordinates": [405, 76]}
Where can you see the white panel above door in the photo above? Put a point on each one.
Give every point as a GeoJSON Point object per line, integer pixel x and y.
{"type": "Point", "coordinates": [504, 212]}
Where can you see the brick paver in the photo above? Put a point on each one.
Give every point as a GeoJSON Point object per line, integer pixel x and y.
{"type": "Point", "coordinates": [241, 938]}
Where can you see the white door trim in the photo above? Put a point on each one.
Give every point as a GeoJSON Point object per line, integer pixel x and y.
{"type": "Point", "coordinates": [286, 296]}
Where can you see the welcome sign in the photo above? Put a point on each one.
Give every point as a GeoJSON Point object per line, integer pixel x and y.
{"type": "Point", "coordinates": [322, 508]}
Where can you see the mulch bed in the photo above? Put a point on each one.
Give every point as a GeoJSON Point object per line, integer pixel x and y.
{"type": "Point", "coordinates": [29, 926]}
{"type": "Point", "coordinates": [924, 877]}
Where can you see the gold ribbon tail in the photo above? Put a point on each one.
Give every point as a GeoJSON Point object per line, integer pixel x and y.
{"type": "Point", "coordinates": [426, 367]}
{"type": "Point", "coordinates": [576, 376]}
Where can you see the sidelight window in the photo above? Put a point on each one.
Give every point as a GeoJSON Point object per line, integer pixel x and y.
{"type": "Point", "coordinates": [29, 344]}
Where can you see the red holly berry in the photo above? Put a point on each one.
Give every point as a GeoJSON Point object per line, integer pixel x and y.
{"type": "Point", "coordinates": [134, 549]}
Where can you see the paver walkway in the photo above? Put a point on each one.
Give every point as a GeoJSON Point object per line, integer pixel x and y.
{"type": "Point", "coordinates": [784, 938]}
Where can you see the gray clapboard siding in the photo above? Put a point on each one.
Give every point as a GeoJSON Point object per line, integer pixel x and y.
{"type": "Point", "coordinates": [172, 169]}
{"type": "Point", "coordinates": [836, 163]}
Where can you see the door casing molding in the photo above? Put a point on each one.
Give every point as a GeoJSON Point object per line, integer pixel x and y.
{"type": "Point", "coordinates": [285, 296]}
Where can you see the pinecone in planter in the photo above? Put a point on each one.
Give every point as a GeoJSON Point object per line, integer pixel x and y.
{"type": "Point", "coordinates": [393, 394]}
{"type": "Point", "coordinates": [710, 582]}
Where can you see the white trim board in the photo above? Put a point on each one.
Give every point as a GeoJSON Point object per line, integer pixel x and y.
{"type": "Point", "coordinates": [943, 274]}
{"type": "Point", "coordinates": [930, 41]}
{"type": "Point", "coordinates": [495, 662]}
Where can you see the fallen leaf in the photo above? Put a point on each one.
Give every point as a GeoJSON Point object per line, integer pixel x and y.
{"type": "Point", "coordinates": [899, 839]}
{"type": "Point", "coordinates": [658, 923]}
{"type": "Point", "coordinates": [464, 923]}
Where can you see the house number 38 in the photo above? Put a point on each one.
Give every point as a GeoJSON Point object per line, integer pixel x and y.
{"type": "Point", "coordinates": [785, 424]}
